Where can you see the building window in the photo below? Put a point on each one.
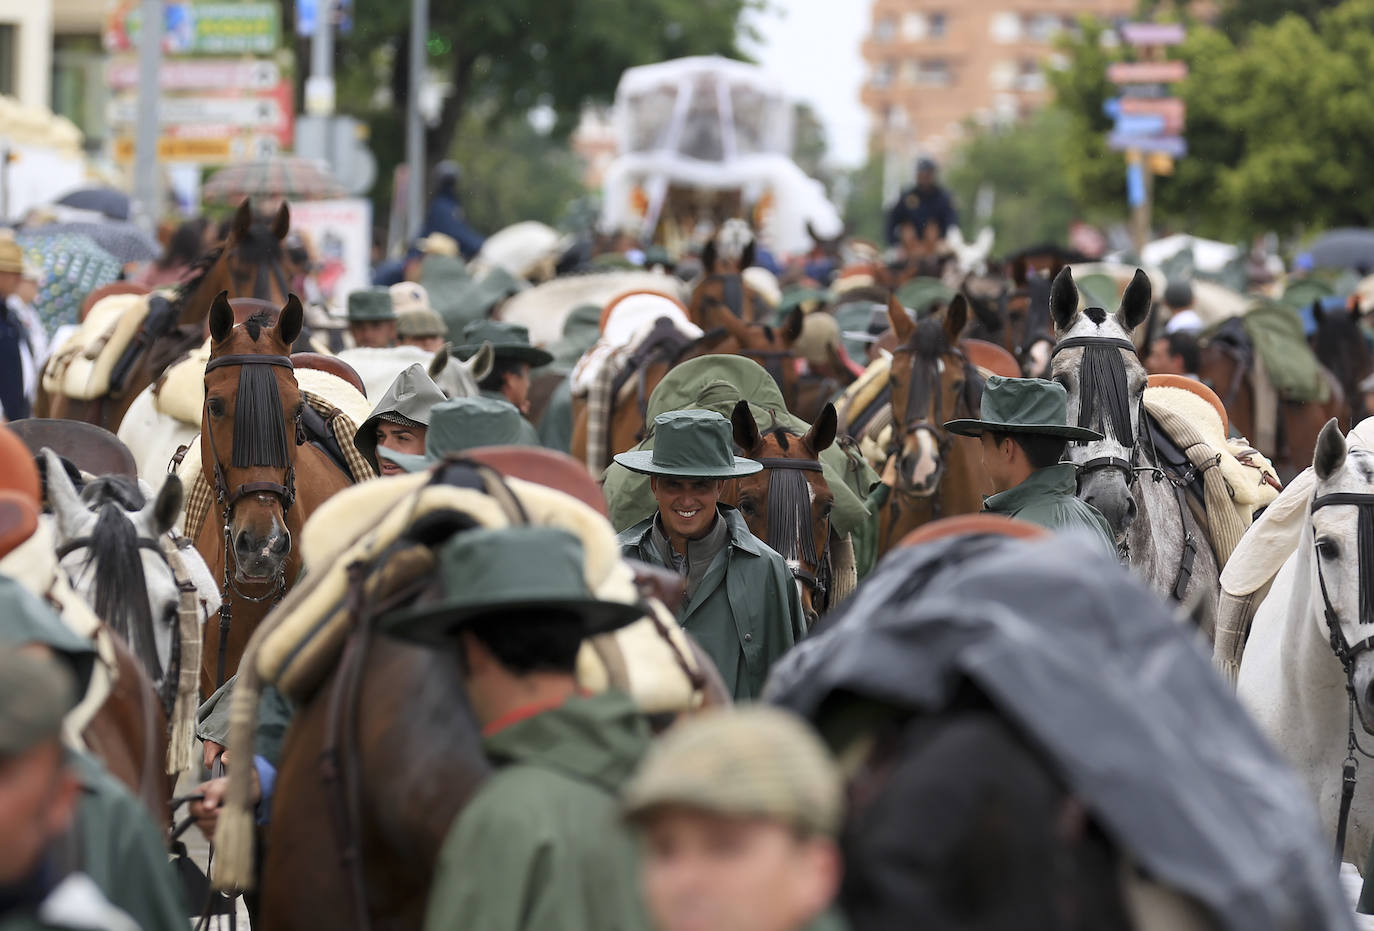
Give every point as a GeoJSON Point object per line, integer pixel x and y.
{"type": "Point", "coordinates": [933, 72]}
{"type": "Point", "coordinates": [885, 29]}
{"type": "Point", "coordinates": [79, 89]}
{"type": "Point", "coordinates": [1042, 27]}
{"type": "Point", "coordinates": [7, 60]}
{"type": "Point", "coordinates": [1030, 76]}
{"type": "Point", "coordinates": [1005, 28]}
{"type": "Point", "coordinates": [914, 27]}
{"type": "Point", "coordinates": [937, 25]}
{"type": "Point", "coordinates": [883, 73]}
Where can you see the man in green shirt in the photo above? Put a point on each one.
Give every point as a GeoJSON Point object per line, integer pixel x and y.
{"type": "Point", "coordinates": [460, 424]}
{"type": "Point", "coordinates": [1024, 430]}
{"type": "Point", "coordinates": [742, 604]}
{"type": "Point", "coordinates": [541, 845]}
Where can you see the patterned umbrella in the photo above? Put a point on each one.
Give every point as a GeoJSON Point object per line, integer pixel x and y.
{"type": "Point", "coordinates": [120, 238]}
{"type": "Point", "coordinates": [288, 177]}
{"type": "Point", "coordinates": [114, 204]}
{"type": "Point", "coordinates": [72, 267]}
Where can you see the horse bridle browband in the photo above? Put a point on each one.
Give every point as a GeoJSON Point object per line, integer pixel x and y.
{"type": "Point", "coordinates": [1345, 651]}
{"type": "Point", "coordinates": [819, 581]}
{"type": "Point", "coordinates": [285, 491]}
{"type": "Point", "coordinates": [1126, 466]}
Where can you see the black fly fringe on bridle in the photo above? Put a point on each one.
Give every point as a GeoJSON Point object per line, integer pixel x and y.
{"type": "Point", "coordinates": [1103, 379]}
{"type": "Point", "coordinates": [1365, 530]}
{"type": "Point", "coordinates": [259, 425]}
{"type": "Point", "coordinates": [120, 598]}
{"type": "Point", "coordinates": [789, 515]}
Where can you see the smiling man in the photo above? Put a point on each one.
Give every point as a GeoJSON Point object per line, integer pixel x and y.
{"type": "Point", "coordinates": [741, 605]}
{"type": "Point", "coordinates": [400, 421]}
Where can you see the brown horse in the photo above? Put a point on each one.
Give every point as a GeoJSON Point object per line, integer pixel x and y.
{"type": "Point", "coordinates": [771, 347]}
{"type": "Point", "coordinates": [1015, 314]}
{"type": "Point", "coordinates": [265, 480]}
{"type": "Point", "coordinates": [724, 259]}
{"type": "Point", "coordinates": [932, 382]}
{"type": "Point", "coordinates": [788, 504]}
{"type": "Point", "coordinates": [251, 262]}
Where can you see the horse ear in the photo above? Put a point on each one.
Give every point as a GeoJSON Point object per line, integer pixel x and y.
{"type": "Point", "coordinates": [708, 257]}
{"type": "Point", "coordinates": [1063, 300]}
{"type": "Point", "coordinates": [480, 365]}
{"type": "Point", "coordinates": [811, 232]}
{"type": "Point", "coordinates": [1019, 270]}
{"type": "Point", "coordinates": [902, 325]}
{"type": "Point", "coordinates": [166, 507]}
{"type": "Point", "coordinates": [747, 256]}
{"type": "Point", "coordinates": [822, 432]}
{"type": "Point", "coordinates": [1352, 306]}
{"type": "Point", "coordinates": [221, 317]}
{"type": "Point", "coordinates": [792, 329]}
{"type": "Point", "coordinates": [1135, 303]}
{"type": "Point", "coordinates": [746, 429]}
{"type": "Point", "coordinates": [66, 504]}
{"type": "Point", "coordinates": [1317, 313]}
{"type": "Point", "coordinates": [1329, 455]}
{"type": "Point", "coordinates": [243, 220]}
{"type": "Point", "coordinates": [291, 321]}
{"type": "Point", "coordinates": [438, 363]}
{"type": "Point", "coordinates": [282, 224]}
{"type": "Point", "coordinates": [956, 317]}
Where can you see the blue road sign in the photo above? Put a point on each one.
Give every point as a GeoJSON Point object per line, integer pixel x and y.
{"type": "Point", "coordinates": [1112, 107]}
{"type": "Point", "coordinates": [1140, 124]}
{"type": "Point", "coordinates": [1135, 184]}
{"type": "Point", "coordinates": [1168, 145]}
{"type": "Point", "coordinates": [307, 16]}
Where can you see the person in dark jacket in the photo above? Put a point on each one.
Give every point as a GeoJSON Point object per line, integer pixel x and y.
{"type": "Point", "coordinates": [922, 205]}
{"type": "Point", "coordinates": [445, 213]}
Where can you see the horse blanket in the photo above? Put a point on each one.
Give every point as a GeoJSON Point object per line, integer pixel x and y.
{"type": "Point", "coordinates": [81, 367]}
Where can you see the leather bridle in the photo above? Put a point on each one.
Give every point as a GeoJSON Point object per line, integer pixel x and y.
{"type": "Point", "coordinates": [285, 491]}
{"type": "Point", "coordinates": [821, 580]}
{"type": "Point", "coordinates": [913, 422]}
{"type": "Point", "coordinates": [262, 286]}
{"type": "Point", "coordinates": [1126, 467]}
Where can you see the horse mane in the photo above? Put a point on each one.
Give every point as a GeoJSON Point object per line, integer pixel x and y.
{"type": "Point", "coordinates": [782, 436]}
{"type": "Point", "coordinates": [120, 596]}
{"type": "Point", "coordinates": [259, 424]}
{"type": "Point", "coordinates": [259, 321]}
{"type": "Point", "coordinates": [258, 246]}
{"type": "Point", "coordinates": [196, 277]}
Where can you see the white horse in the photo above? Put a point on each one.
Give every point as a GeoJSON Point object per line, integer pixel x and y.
{"type": "Point", "coordinates": [378, 368]}
{"type": "Point", "coordinates": [1291, 678]}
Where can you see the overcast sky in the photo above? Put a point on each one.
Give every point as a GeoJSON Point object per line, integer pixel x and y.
{"type": "Point", "coordinates": [813, 45]}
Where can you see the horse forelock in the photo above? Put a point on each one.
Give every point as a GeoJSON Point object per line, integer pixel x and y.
{"type": "Point", "coordinates": [260, 438]}
{"type": "Point", "coordinates": [1104, 378]}
{"type": "Point", "coordinates": [259, 321]}
{"type": "Point", "coordinates": [119, 489]}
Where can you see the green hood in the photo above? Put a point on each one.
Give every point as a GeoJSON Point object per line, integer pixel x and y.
{"type": "Point", "coordinates": [597, 738]}
{"type": "Point", "coordinates": [717, 383]}
{"type": "Point", "coordinates": [412, 395]}
{"type": "Point", "coordinates": [24, 619]}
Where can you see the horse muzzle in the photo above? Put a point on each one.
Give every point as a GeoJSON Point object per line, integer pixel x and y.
{"type": "Point", "coordinates": [1108, 491]}
{"type": "Point", "coordinates": [920, 465]}
{"type": "Point", "coordinates": [260, 557]}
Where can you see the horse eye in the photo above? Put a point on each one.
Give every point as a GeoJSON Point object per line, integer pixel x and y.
{"type": "Point", "coordinates": [215, 406]}
{"type": "Point", "coordinates": [746, 507]}
{"type": "Point", "coordinates": [1328, 549]}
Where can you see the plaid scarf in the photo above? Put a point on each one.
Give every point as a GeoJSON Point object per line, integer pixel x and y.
{"type": "Point", "coordinates": [201, 497]}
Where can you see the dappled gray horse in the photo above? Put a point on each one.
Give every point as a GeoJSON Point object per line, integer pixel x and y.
{"type": "Point", "coordinates": [1095, 360]}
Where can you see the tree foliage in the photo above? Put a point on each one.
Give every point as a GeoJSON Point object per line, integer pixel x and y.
{"type": "Point", "coordinates": [1279, 125]}
{"type": "Point", "coordinates": [1235, 17]}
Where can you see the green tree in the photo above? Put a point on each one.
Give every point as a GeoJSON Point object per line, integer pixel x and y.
{"type": "Point", "coordinates": [1235, 17]}
{"type": "Point", "coordinates": [864, 208]}
{"type": "Point", "coordinates": [1022, 166]}
{"type": "Point", "coordinates": [809, 144]}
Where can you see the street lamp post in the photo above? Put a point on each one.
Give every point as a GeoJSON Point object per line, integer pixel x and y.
{"type": "Point", "coordinates": [149, 97]}
{"type": "Point", "coordinates": [415, 128]}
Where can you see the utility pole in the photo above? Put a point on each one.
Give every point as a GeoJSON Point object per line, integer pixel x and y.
{"type": "Point", "coordinates": [415, 127]}
{"type": "Point", "coordinates": [319, 88]}
{"type": "Point", "coordinates": [149, 96]}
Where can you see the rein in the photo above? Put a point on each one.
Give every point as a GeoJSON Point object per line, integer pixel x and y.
{"type": "Point", "coordinates": [227, 498]}
{"type": "Point", "coordinates": [1346, 652]}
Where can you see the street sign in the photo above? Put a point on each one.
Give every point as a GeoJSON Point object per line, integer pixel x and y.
{"type": "Point", "coordinates": [198, 74]}
{"type": "Point", "coordinates": [1135, 184]}
{"type": "Point", "coordinates": [1173, 146]}
{"type": "Point", "coordinates": [1170, 109]}
{"type": "Point", "coordinates": [210, 151]}
{"type": "Point", "coordinates": [1152, 35]}
{"type": "Point", "coordinates": [1146, 72]}
{"type": "Point", "coordinates": [246, 112]}
{"type": "Point", "coordinates": [1140, 124]}
{"type": "Point", "coordinates": [1111, 107]}
{"type": "Point", "coordinates": [200, 28]}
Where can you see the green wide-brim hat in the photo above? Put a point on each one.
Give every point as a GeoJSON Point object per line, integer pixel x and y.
{"type": "Point", "coordinates": [488, 572]}
{"type": "Point", "coordinates": [1023, 405]}
{"type": "Point", "coordinates": [460, 424]}
{"type": "Point", "coordinates": [508, 340]}
{"type": "Point", "coordinates": [690, 444]}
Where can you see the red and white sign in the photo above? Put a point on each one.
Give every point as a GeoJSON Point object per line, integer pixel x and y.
{"type": "Point", "coordinates": [1147, 72]}
{"type": "Point", "coordinates": [1170, 109]}
{"type": "Point", "coordinates": [1152, 35]}
{"type": "Point", "coordinates": [210, 115]}
{"type": "Point", "coordinates": [339, 233]}
{"type": "Point", "coordinates": [198, 74]}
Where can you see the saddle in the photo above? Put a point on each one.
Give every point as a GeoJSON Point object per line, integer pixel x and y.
{"type": "Point", "coordinates": [663, 340]}
{"type": "Point", "coordinates": [91, 449]}
{"type": "Point", "coordinates": [83, 368]}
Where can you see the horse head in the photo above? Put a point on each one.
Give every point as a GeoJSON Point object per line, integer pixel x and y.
{"type": "Point", "coordinates": [108, 542]}
{"type": "Point", "coordinates": [932, 383]}
{"type": "Point", "coordinates": [1343, 544]}
{"type": "Point", "coordinates": [1096, 362]}
{"type": "Point", "coordinates": [250, 432]}
{"type": "Point", "coordinates": [769, 346]}
{"type": "Point", "coordinates": [1015, 314]}
{"type": "Point", "coordinates": [459, 378]}
{"type": "Point", "coordinates": [788, 504]}
{"type": "Point", "coordinates": [1340, 345]}
{"type": "Point", "coordinates": [251, 262]}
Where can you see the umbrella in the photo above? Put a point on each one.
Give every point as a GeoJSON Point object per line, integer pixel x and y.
{"type": "Point", "coordinates": [72, 267]}
{"type": "Point", "coordinates": [288, 177]}
{"type": "Point", "coordinates": [120, 238]}
{"type": "Point", "coordinates": [1346, 248]}
{"type": "Point", "coordinates": [114, 204]}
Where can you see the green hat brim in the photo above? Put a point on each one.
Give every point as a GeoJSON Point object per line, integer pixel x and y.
{"type": "Point", "coordinates": [437, 623]}
{"type": "Point", "coordinates": [642, 461]}
{"type": "Point", "coordinates": [519, 352]}
{"type": "Point", "coordinates": [979, 427]}
{"type": "Point", "coordinates": [409, 462]}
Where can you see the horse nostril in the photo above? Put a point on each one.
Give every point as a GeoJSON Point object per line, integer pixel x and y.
{"type": "Point", "coordinates": [242, 545]}
{"type": "Point", "coordinates": [281, 545]}
{"type": "Point", "coordinates": [1130, 510]}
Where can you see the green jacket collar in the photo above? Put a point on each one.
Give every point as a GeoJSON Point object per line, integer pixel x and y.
{"type": "Point", "coordinates": [740, 536]}
{"type": "Point", "coordinates": [1049, 482]}
{"type": "Point", "coordinates": [597, 738]}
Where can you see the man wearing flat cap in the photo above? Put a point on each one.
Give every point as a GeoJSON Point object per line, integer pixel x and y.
{"type": "Point", "coordinates": [371, 319]}
{"type": "Point", "coordinates": [738, 812]}
{"type": "Point", "coordinates": [111, 839]}
{"type": "Point", "coordinates": [417, 323]}
{"type": "Point", "coordinates": [1024, 430]}
{"type": "Point", "coordinates": [541, 844]}
{"type": "Point", "coordinates": [513, 357]}
{"type": "Point", "coordinates": [742, 605]}
{"type": "Point", "coordinates": [400, 420]}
